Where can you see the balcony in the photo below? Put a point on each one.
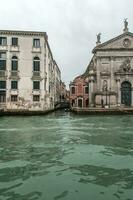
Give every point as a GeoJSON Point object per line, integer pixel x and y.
{"type": "Point", "coordinates": [14, 74]}
{"type": "Point", "coordinates": [3, 74]}
{"type": "Point", "coordinates": [36, 49]}
{"type": "Point", "coordinates": [36, 75]}
{"type": "Point", "coordinates": [14, 48]}
{"type": "Point", "coordinates": [3, 48]}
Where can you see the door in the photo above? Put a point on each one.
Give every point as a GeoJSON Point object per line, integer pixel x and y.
{"type": "Point", "coordinates": [126, 93]}
{"type": "Point", "coordinates": [80, 103]}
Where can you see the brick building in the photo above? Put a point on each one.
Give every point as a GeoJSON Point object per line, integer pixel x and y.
{"type": "Point", "coordinates": [79, 92]}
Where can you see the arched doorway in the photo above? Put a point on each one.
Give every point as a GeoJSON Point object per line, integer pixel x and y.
{"type": "Point", "coordinates": [126, 93]}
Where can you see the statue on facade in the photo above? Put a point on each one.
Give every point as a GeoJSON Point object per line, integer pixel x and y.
{"type": "Point", "coordinates": [105, 86]}
{"type": "Point", "coordinates": [98, 38]}
{"type": "Point", "coordinates": [125, 24]}
{"type": "Point", "coordinates": [126, 65]}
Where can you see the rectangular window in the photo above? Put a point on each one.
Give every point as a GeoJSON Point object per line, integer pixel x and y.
{"type": "Point", "coordinates": [2, 61]}
{"type": "Point", "coordinates": [86, 90]}
{"type": "Point", "coordinates": [73, 90]}
{"type": "Point", "coordinates": [36, 97]}
{"type": "Point", "coordinates": [14, 85]}
{"type": "Point", "coordinates": [2, 84]}
{"type": "Point", "coordinates": [2, 55]}
{"type": "Point", "coordinates": [36, 43]}
{"type": "Point", "coordinates": [3, 41]}
{"type": "Point", "coordinates": [14, 98]}
{"type": "Point", "coordinates": [14, 41]}
{"type": "Point", "coordinates": [36, 66]}
{"type": "Point", "coordinates": [36, 85]}
{"type": "Point", "coordinates": [14, 65]}
{"type": "Point", "coordinates": [2, 64]}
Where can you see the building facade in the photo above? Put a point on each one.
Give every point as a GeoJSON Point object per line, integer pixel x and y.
{"type": "Point", "coordinates": [110, 72]}
{"type": "Point", "coordinates": [28, 73]}
{"type": "Point", "coordinates": [79, 92]}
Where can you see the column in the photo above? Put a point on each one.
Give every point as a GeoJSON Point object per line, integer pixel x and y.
{"type": "Point", "coordinates": [118, 92]}
{"type": "Point", "coordinates": [91, 84]}
{"type": "Point", "coordinates": [112, 73]}
{"type": "Point", "coordinates": [98, 73]}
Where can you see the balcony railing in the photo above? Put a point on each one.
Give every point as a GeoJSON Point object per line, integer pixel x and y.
{"type": "Point", "coordinates": [14, 48]}
{"type": "Point", "coordinates": [3, 73]}
{"type": "Point", "coordinates": [36, 49]}
{"type": "Point", "coordinates": [36, 75]}
{"type": "Point", "coordinates": [14, 74]}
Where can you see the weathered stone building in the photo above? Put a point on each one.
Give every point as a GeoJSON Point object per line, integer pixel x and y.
{"type": "Point", "coordinates": [29, 75]}
{"type": "Point", "coordinates": [110, 72]}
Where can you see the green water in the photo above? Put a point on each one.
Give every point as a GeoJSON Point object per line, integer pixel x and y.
{"type": "Point", "coordinates": [63, 156]}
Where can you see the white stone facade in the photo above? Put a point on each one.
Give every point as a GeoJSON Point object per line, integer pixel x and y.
{"type": "Point", "coordinates": [27, 71]}
{"type": "Point", "coordinates": [110, 73]}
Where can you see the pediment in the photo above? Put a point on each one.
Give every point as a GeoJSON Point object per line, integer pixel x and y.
{"type": "Point", "coordinates": [121, 42]}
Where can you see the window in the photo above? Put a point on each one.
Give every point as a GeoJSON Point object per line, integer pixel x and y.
{"type": "Point", "coordinates": [36, 97]}
{"type": "Point", "coordinates": [14, 98]}
{"type": "Point", "coordinates": [36, 85]}
{"type": "Point", "coordinates": [2, 55]}
{"type": "Point", "coordinates": [2, 84]}
{"type": "Point", "coordinates": [2, 61]}
{"type": "Point", "coordinates": [73, 90]}
{"type": "Point", "coordinates": [86, 90]}
{"type": "Point", "coordinates": [2, 96]}
{"type": "Point", "coordinates": [36, 43]}
{"type": "Point", "coordinates": [36, 64]}
{"type": "Point", "coordinates": [3, 41]}
{"type": "Point", "coordinates": [14, 41]}
{"type": "Point", "coordinates": [14, 66]}
{"type": "Point", "coordinates": [14, 85]}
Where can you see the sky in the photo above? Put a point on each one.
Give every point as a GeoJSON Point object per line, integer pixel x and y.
{"type": "Point", "coordinates": [71, 25]}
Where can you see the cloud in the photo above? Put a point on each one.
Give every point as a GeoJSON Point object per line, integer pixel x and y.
{"type": "Point", "coordinates": [71, 26]}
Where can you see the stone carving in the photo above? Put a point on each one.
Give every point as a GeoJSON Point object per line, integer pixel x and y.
{"type": "Point", "coordinates": [125, 25]}
{"type": "Point", "coordinates": [104, 88]}
{"type": "Point", "coordinates": [126, 66]}
{"type": "Point", "coordinates": [99, 38]}
{"type": "Point", "coordinates": [126, 42]}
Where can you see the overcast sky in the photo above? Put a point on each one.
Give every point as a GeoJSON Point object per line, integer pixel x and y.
{"type": "Point", "coordinates": [71, 26]}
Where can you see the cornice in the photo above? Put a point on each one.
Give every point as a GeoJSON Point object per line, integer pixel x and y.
{"type": "Point", "coordinates": [24, 33]}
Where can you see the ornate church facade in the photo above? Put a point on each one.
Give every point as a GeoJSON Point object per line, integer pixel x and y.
{"type": "Point", "coordinates": [110, 72]}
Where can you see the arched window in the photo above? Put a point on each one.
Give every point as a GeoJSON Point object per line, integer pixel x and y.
{"type": "Point", "coordinates": [36, 64]}
{"type": "Point", "coordinates": [14, 63]}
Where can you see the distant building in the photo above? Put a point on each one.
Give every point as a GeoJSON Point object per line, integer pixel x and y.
{"type": "Point", "coordinates": [79, 92]}
{"type": "Point", "coordinates": [29, 76]}
{"type": "Point", "coordinates": [63, 90]}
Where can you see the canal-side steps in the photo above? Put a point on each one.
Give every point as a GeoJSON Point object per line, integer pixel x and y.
{"type": "Point", "coordinates": [103, 111]}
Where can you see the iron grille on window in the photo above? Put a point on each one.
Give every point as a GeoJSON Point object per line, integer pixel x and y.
{"type": "Point", "coordinates": [14, 98]}
{"type": "Point", "coordinates": [36, 97]}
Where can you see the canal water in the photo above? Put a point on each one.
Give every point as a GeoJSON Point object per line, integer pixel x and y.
{"type": "Point", "coordinates": [63, 156]}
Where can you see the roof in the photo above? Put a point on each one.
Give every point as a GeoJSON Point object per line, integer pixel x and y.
{"type": "Point", "coordinates": [111, 40]}
{"type": "Point", "coordinates": [16, 32]}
